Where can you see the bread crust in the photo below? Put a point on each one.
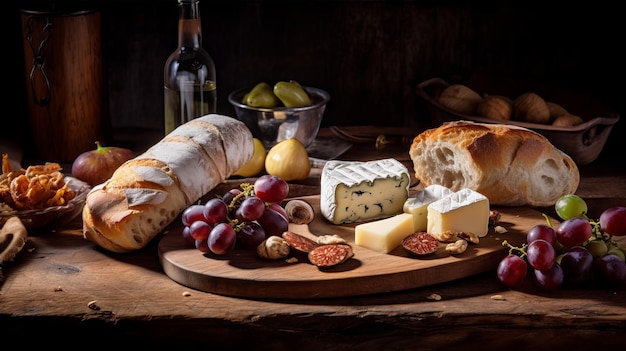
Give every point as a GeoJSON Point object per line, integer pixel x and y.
{"type": "Point", "coordinates": [512, 166]}
{"type": "Point", "coordinates": [147, 193]}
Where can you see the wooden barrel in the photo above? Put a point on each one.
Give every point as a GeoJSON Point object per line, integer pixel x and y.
{"type": "Point", "coordinates": [64, 81]}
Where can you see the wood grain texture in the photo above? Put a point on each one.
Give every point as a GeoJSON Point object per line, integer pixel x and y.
{"type": "Point", "coordinates": [242, 273]}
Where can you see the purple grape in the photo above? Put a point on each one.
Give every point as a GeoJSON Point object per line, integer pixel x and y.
{"type": "Point", "coordinates": [512, 271]}
{"type": "Point", "coordinates": [574, 232]}
{"type": "Point", "coordinates": [200, 230]}
{"type": "Point", "coordinates": [613, 220]}
{"type": "Point", "coordinates": [273, 223]}
{"type": "Point", "coordinates": [193, 213]}
{"type": "Point", "coordinates": [222, 239]}
{"type": "Point", "coordinates": [576, 264]}
{"type": "Point", "coordinates": [610, 271]}
{"type": "Point", "coordinates": [540, 254]}
{"type": "Point", "coordinates": [251, 209]}
{"type": "Point", "coordinates": [271, 188]}
{"type": "Point", "coordinates": [251, 235]}
{"type": "Point", "coordinates": [541, 231]}
{"type": "Point", "coordinates": [215, 210]}
{"type": "Point", "coordinates": [551, 278]}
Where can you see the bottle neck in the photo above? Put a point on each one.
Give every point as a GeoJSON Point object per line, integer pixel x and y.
{"type": "Point", "coordinates": [189, 25]}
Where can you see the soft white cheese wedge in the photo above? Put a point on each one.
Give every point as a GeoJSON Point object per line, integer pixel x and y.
{"type": "Point", "coordinates": [384, 235]}
{"type": "Point", "coordinates": [417, 205]}
{"type": "Point", "coordinates": [463, 211]}
{"type": "Point", "coordinates": [359, 191]}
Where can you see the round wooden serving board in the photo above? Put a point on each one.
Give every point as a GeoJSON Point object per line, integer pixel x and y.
{"type": "Point", "coordinates": [242, 273]}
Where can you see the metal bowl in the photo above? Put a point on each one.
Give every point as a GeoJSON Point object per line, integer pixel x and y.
{"type": "Point", "coordinates": [273, 125]}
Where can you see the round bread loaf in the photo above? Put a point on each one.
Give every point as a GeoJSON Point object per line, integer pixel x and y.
{"type": "Point", "coordinates": [510, 165]}
{"type": "Point", "coordinates": [145, 194]}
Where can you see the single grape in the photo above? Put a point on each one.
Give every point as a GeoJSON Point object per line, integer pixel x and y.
{"type": "Point", "coordinates": [576, 264]}
{"type": "Point", "coordinates": [273, 223]}
{"type": "Point", "coordinates": [251, 208]}
{"type": "Point", "coordinates": [541, 231]}
{"type": "Point", "coordinates": [540, 255]}
{"type": "Point", "coordinates": [512, 271]}
{"type": "Point", "coordinates": [230, 195]}
{"type": "Point", "coordinates": [613, 221]}
{"type": "Point", "coordinates": [570, 206]}
{"type": "Point", "coordinates": [597, 248]}
{"type": "Point", "coordinates": [278, 208]}
{"type": "Point", "coordinates": [187, 235]}
{"type": "Point", "coordinates": [222, 239]}
{"type": "Point", "coordinates": [551, 278]}
{"type": "Point", "coordinates": [202, 245]}
{"type": "Point", "coordinates": [271, 188]}
{"type": "Point", "coordinates": [193, 213]}
{"type": "Point", "coordinates": [574, 232]}
{"type": "Point", "coordinates": [251, 235]}
{"type": "Point", "coordinates": [617, 252]}
{"type": "Point", "coordinates": [609, 271]}
{"type": "Point", "coordinates": [200, 230]}
{"type": "Point", "coordinates": [215, 210]}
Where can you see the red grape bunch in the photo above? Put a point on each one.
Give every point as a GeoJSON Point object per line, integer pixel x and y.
{"type": "Point", "coordinates": [243, 216]}
{"type": "Point", "coordinates": [580, 250]}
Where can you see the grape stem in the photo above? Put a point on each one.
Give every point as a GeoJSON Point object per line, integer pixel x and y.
{"type": "Point", "coordinates": [514, 250]}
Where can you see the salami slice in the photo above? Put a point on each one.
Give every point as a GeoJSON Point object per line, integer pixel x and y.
{"type": "Point", "coordinates": [420, 243]}
{"type": "Point", "coordinates": [299, 242]}
{"type": "Point", "coordinates": [330, 255]}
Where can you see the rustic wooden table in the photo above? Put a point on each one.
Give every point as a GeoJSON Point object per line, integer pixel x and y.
{"type": "Point", "coordinates": [46, 291]}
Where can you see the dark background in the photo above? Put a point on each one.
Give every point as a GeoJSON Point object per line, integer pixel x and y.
{"type": "Point", "coordinates": [369, 55]}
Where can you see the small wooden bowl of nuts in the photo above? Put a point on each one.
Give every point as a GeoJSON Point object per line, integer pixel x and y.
{"type": "Point", "coordinates": [576, 124]}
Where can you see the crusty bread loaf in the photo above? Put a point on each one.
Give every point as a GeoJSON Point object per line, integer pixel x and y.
{"type": "Point", "coordinates": [147, 193]}
{"type": "Point", "coordinates": [512, 166]}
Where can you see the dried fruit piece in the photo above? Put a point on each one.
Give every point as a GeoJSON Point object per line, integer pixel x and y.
{"type": "Point", "coordinates": [330, 255]}
{"type": "Point", "coordinates": [420, 244]}
{"type": "Point", "coordinates": [299, 211]}
{"type": "Point", "coordinates": [299, 242]}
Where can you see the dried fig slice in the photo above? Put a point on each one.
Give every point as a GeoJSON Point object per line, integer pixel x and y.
{"type": "Point", "coordinates": [330, 255]}
{"type": "Point", "coordinates": [420, 244]}
{"type": "Point", "coordinates": [299, 242]}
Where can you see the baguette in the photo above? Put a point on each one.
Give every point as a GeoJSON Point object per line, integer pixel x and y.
{"type": "Point", "coordinates": [146, 194]}
{"type": "Point", "coordinates": [510, 165]}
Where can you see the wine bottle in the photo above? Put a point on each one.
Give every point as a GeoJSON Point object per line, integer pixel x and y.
{"type": "Point", "coordinates": [189, 74]}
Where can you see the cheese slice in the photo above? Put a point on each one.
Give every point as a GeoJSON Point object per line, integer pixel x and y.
{"type": "Point", "coordinates": [360, 191]}
{"type": "Point", "coordinates": [463, 211]}
{"type": "Point", "coordinates": [417, 205]}
{"type": "Point", "coordinates": [384, 235]}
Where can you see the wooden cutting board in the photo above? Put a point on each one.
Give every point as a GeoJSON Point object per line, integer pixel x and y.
{"type": "Point", "coordinates": [242, 273]}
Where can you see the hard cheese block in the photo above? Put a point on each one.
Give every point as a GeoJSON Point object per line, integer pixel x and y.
{"type": "Point", "coordinates": [359, 191]}
{"type": "Point", "coordinates": [463, 211]}
{"type": "Point", "coordinates": [417, 205]}
{"type": "Point", "coordinates": [384, 235]}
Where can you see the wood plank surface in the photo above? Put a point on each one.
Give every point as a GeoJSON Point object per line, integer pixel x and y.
{"type": "Point", "coordinates": [242, 273]}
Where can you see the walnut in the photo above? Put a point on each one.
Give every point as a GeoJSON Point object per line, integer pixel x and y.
{"type": "Point", "coordinates": [273, 248]}
{"type": "Point", "coordinates": [532, 108]}
{"type": "Point", "coordinates": [460, 98]}
{"type": "Point", "coordinates": [457, 247]}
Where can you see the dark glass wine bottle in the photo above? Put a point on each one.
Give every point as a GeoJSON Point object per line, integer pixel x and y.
{"type": "Point", "coordinates": [189, 74]}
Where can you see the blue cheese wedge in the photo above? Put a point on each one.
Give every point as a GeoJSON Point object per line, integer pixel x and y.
{"type": "Point", "coordinates": [360, 191]}
{"type": "Point", "coordinates": [417, 205]}
{"type": "Point", "coordinates": [463, 211]}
